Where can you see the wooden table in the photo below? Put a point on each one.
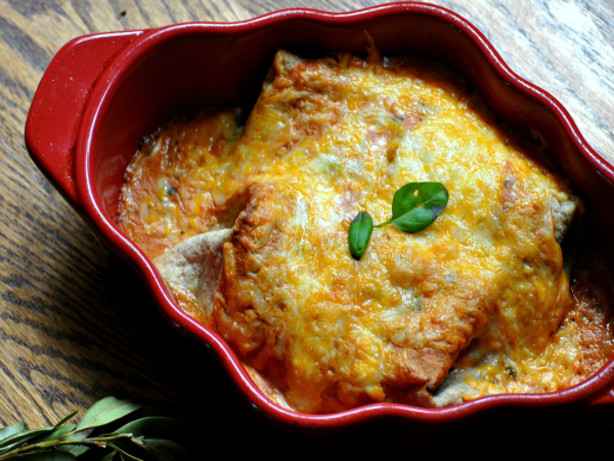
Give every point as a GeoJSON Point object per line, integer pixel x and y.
{"type": "Point", "coordinates": [76, 324]}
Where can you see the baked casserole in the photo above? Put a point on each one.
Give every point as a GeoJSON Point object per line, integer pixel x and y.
{"type": "Point", "coordinates": [246, 214]}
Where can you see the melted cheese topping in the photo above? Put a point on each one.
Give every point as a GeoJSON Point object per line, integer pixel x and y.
{"type": "Point", "coordinates": [477, 303]}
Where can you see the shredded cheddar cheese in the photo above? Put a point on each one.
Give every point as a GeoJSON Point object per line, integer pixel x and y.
{"type": "Point", "coordinates": [476, 304]}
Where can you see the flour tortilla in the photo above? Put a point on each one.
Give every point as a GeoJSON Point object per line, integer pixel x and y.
{"type": "Point", "coordinates": [194, 266]}
{"type": "Point", "coordinates": [192, 270]}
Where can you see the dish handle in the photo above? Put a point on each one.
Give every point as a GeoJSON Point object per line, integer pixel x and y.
{"type": "Point", "coordinates": [60, 99]}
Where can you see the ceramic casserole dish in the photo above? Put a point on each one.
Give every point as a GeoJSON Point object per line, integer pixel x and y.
{"type": "Point", "coordinates": [102, 93]}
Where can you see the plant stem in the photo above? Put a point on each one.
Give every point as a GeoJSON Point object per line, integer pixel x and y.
{"type": "Point", "coordinates": [382, 224]}
{"type": "Point", "coordinates": [64, 441]}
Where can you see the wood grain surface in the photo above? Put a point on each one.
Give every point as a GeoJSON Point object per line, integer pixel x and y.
{"type": "Point", "coordinates": [76, 324]}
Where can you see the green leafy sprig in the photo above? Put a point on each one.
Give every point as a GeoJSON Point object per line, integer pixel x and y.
{"type": "Point", "coordinates": [414, 207]}
{"type": "Point", "coordinates": [110, 430]}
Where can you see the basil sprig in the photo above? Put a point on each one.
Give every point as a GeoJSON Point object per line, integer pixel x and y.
{"type": "Point", "coordinates": [110, 430]}
{"type": "Point", "coordinates": [414, 207]}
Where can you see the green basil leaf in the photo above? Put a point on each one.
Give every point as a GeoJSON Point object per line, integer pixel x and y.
{"type": "Point", "coordinates": [57, 433]}
{"type": "Point", "coordinates": [10, 442]}
{"type": "Point", "coordinates": [65, 419]}
{"type": "Point", "coordinates": [359, 234]}
{"type": "Point", "coordinates": [416, 205]}
{"type": "Point", "coordinates": [165, 450]}
{"type": "Point", "coordinates": [9, 431]}
{"type": "Point", "coordinates": [78, 448]}
{"type": "Point", "coordinates": [77, 438]}
{"type": "Point", "coordinates": [156, 427]}
{"type": "Point", "coordinates": [106, 411]}
{"type": "Point", "coordinates": [109, 456]}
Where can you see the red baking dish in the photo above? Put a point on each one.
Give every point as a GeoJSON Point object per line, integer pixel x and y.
{"type": "Point", "coordinates": [102, 93]}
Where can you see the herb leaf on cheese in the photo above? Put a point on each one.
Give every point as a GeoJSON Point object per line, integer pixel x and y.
{"type": "Point", "coordinates": [360, 233]}
{"type": "Point", "coordinates": [414, 207]}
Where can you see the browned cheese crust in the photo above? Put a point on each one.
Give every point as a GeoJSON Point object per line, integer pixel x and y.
{"type": "Point", "coordinates": [473, 305]}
